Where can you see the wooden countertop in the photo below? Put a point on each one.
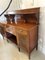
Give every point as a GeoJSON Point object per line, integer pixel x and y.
{"type": "Point", "coordinates": [25, 26]}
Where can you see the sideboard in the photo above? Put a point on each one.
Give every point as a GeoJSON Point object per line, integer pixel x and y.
{"type": "Point", "coordinates": [25, 28]}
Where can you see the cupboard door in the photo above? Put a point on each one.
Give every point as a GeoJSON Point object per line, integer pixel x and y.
{"type": "Point", "coordinates": [23, 41]}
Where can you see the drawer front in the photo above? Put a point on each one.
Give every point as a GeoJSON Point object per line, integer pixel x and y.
{"type": "Point", "coordinates": [11, 29]}
{"type": "Point", "coordinates": [21, 31]}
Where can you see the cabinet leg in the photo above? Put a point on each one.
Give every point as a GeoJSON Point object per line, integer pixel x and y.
{"type": "Point", "coordinates": [37, 47]}
{"type": "Point", "coordinates": [29, 56]}
{"type": "Point", "coordinates": [19, 49]}
{"type": "Point", "coordinates": [8, 41]}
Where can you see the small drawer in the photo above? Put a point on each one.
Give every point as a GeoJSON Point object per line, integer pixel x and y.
{"type": "Point", "coordinates": [21, 31]}
{"type": "Point", "coordinates": [11, 29]}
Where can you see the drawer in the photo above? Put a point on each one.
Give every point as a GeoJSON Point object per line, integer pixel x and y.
{"type": "Point", "coordinates": [11, 29]}
{"type": "Point", "coordinates": [21, 31]}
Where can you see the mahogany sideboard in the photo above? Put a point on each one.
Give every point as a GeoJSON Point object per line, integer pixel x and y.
{"type": "Point", "coordinates": [25, 28]}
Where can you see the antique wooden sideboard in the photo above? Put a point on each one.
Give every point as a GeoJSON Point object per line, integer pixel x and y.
{"type": "Point", "coordinates": [25, 28]}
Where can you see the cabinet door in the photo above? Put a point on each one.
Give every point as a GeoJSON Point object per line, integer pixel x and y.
{"type": "Point", "coordinates": [23, 41]}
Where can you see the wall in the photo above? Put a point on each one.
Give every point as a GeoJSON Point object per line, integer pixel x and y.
{"type": "Point", "coordinates": [42, 30]}
{"type": "Point", "coordinates": [41, 3]}
{"type": "Point", "coordinates": [4, 3]}
{"type": "Point", "coordinates": [32, 3]}
{"type": "Point", "coordinates": [28, 4]}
